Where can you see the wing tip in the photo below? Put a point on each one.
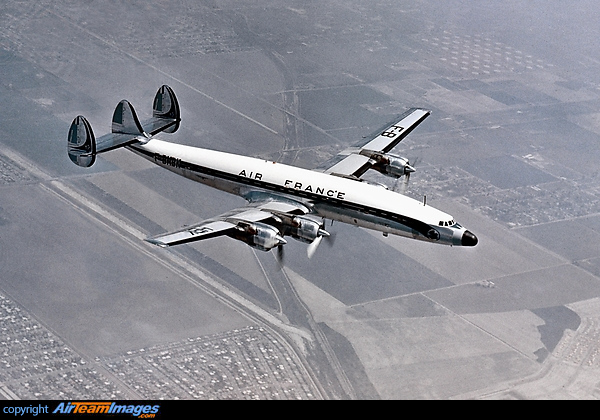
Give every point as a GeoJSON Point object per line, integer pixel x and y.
{"type": "Point", "coordinates": [157, 242]}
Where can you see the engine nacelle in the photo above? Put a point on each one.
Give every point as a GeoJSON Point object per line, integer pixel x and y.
{"type": "Point", "coordinates": [305, 229]}
{"type": "Point", "coordinates": [397, 166]}
{"type": "Point", "coordinates": [259, 235]}
{"type": "Point", "coordinates": [388, 164]}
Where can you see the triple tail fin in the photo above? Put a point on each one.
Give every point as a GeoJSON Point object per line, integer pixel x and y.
{"type": "Point", "coordinates": [82, 146]}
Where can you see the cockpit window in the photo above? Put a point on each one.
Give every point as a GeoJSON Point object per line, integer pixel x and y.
{"type": "Point", "coordinates": [447, 223]}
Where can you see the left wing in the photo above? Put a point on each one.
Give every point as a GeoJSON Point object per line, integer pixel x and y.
{"type": "Point", "coordinates": [371, 152]}
{"type": "Point", "coordinates": [225, 224]}
{"type": "Point", "coordinates": [261, 225]}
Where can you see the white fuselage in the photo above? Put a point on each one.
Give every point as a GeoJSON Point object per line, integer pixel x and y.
{"type": "Point", "coordinates": [326, 195]}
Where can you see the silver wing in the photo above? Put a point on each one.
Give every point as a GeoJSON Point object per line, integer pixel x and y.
{"type": "Point", "coordinates": [261, 225]}
{"type": "Point", "coordinates": [371, 152]}
{"type": "Point", "coordinates": [225, 224]}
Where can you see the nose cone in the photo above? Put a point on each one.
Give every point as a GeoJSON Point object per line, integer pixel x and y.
{"type": "Point", "coordinates": [468, 239]}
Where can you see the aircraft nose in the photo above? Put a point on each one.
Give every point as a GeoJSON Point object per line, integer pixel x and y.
{"type": "Point", "coordinates": [468, 239]}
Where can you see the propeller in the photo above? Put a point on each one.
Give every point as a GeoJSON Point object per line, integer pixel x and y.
{"type": "Point", "coordinates": [408, 169]}
{"type": "Point", "coordinates": [312, 247]}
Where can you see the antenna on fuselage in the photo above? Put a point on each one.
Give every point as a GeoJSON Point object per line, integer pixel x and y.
{"type": "Point", "coordinates": [424, 200]}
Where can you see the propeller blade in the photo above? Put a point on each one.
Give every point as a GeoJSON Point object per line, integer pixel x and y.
{"type": "Point", "coordinates": [408, 169]}
{"type": "Point", "coordinates": [405, 183]}
{"type": "Point", "coordinates": [331, 239]}
{"type": "Point", "coordinates": [395, 186]}
{"type": "Point", "coordinates": [312, 248]}
{"type": "Point", "coordinates": [279, 255]}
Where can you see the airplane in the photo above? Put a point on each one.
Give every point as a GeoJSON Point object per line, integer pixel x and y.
{"type": "Point", "coordinates": [283, 200]}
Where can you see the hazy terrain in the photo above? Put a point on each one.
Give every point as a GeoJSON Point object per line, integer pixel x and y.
{"type": "Point", "coordinates": [511, 150]}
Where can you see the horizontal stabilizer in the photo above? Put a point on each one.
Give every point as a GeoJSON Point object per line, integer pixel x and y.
{"type": "Point", "coordinates": [126, 129]}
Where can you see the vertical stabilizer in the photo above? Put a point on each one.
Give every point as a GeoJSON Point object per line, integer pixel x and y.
{"type": "Point", "coordinates": [81, 143]}
{"type": "Point", "coordinates": [125, 120]}
{"type": "Point", "coordinates": [165, 113]}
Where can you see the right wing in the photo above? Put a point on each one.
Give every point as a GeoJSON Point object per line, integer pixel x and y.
{"type": "Point", "coordinates": [354, 161]}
